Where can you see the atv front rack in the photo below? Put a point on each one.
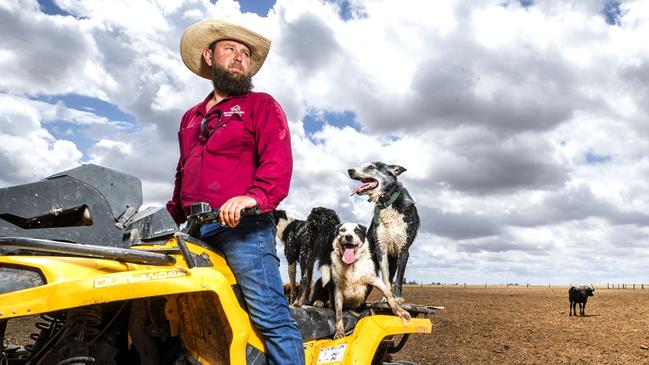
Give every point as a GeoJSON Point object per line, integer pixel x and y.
{"type": "Point", "coordinates": [12, 244]}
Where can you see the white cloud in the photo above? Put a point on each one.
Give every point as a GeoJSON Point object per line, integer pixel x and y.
{"type": "Point", "coordinates": [27, 150]}
{"type": "Point", "coordinates": [523, 129]}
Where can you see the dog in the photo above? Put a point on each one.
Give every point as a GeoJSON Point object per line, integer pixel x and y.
{"type": "Point", "coordinates": [287, 227]}
{"type": "Point", "coordinates": [395, 223]}
{"type": "Point", "coordinates": [305, 241]}
{"type": "Point", "coordinates": [287, 289]}
{"type": "Point", "coordinates": [354, 272]}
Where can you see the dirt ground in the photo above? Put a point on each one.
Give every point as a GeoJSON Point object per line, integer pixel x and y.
{"type": "Point", "coordinates": [520, 325]}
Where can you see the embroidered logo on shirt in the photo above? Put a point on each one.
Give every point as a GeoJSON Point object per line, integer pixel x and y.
{"type": "Point", "coordinates": [234, 110]}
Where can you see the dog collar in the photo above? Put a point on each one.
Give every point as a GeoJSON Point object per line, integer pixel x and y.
{"type": "Point", "coordinates": [379, 205]}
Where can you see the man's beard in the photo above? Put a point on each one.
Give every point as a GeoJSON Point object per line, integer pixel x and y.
{"type": "Point", "coordinates": [230, 83]}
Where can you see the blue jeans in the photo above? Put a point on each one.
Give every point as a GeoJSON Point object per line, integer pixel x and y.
{"type": "Point", "coordinates": [249, 249]}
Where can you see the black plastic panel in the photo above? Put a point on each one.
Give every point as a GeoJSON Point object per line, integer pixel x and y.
{"type": "Point", "coordinates": [81, 205]}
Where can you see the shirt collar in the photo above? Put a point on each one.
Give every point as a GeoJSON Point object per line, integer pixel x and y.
{"type": "Point", "coordinates": [201, 108]}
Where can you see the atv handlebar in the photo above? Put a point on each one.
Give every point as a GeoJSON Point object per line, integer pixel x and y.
{"type": "Point", "coordinates": [202, 213]}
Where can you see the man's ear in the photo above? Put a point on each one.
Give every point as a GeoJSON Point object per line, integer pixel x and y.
{"type": "Point", "coordinates": [207, 56]}
{"type": "Point", "coordinates": [395, 170]}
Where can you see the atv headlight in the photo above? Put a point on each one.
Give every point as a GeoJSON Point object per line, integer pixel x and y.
{"type": "Point", "coordinates": [14, 278]}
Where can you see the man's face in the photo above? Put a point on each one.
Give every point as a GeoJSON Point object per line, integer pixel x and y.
{"type": "Point", "coordinates": [230, 62]}
{"type": "Point", "coordinates": [233, 56]}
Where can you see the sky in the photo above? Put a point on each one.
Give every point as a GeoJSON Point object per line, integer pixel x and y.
{"type": "Point", "coordinates": [523, 125]}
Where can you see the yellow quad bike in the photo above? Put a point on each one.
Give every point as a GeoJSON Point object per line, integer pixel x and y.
{"type": "Point", "coordinates": [103, 282]}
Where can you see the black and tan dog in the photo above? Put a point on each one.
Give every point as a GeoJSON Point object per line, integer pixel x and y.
{"type": "Point", "coordinates": [395, 222]}
{"type": "Point", "coordinates": [305, 241]}
{"type": "Point", "coordinates": [354, 272]}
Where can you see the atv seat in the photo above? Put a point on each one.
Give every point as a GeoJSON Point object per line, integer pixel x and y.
{"type": "Point", "coordinates": [315, 323]}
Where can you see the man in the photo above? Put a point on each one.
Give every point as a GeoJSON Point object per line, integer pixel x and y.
{"type": "Point", "coordinates": [235, 153]}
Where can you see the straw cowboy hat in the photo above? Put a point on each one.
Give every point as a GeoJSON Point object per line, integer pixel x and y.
{"type": "Point", "coordinates": [200, 35]}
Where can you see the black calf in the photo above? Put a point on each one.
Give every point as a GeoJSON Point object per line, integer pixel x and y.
{"type": "Point", "coordinates": [579, 295]}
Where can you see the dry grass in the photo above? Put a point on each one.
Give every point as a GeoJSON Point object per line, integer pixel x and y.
{"type": "Point", "coordinates": [519, 325]}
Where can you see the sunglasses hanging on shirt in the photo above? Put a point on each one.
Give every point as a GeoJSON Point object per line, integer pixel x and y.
{"type": "Point", "coordinates": [206, 130]}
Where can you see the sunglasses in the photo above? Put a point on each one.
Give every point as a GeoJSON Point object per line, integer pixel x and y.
{"type": "Point", "coordinates": [206, 130]}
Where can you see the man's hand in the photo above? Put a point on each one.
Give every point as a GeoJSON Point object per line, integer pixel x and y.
{"type": "Point", "coordinates": [230, 211]}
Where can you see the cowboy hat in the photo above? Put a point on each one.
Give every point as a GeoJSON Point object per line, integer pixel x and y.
{"type": "Point", "coordinates": [200, 35]}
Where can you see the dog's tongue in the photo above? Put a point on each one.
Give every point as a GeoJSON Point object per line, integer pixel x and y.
{"type": "Point", "coordinates": [348, 256]}
{"type": "Point", "coordinates": [361, 186]}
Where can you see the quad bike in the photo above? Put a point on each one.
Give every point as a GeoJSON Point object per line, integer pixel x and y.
{"type": "Point", "coordinates": [104, 282]}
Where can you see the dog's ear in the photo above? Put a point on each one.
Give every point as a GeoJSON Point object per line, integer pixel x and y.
{"type": "Point", "coordinates": [363, 233]}
{"type": "Point", "coordinates": [395, 170]}
{"type": "Point", "coordinates": [363, 228]}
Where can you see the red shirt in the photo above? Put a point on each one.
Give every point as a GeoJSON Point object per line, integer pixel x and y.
{"type": "Point", "coordinates": [248, 153]}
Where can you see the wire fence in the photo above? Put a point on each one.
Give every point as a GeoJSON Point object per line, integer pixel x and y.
{"type": "Point", "coordinates": [616, 286]}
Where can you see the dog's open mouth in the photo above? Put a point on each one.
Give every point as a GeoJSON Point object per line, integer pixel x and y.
{"type": "Point", "coordinates": [349, 253]}
{"type": "Point", "coordinates": [367, 184]}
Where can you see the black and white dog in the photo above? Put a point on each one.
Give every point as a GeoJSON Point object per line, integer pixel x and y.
{"type": "Point", "coordinates": [305, 241]}
{"type": "Point", "coordinates": [395, 222]}
{"type": "Point", "coordinates": [354, 272]}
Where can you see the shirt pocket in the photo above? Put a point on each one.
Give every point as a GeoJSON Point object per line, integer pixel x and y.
{"type": "Point", "coordinates": [187, 139]}
{"type": "Point", "coordinates": [226, 140]}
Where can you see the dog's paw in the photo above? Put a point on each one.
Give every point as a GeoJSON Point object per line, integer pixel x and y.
{"type": "Point", "coordinates": [296, 304]}
{"type": "Point", "coordinates": [403, 314]}
{"type": "Point", "coordinates": [318, 304]}
{"type": "Point", "coordinates": [339, 334]}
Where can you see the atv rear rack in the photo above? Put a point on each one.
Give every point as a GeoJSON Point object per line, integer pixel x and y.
{"type": "Point", "coordinates": [414, 309]}
{"type": "Point", "coordinates": [9, 244]}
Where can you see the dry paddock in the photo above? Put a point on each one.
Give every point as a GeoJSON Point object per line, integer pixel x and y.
{"type": "Point", "coordinates": [519, 325]}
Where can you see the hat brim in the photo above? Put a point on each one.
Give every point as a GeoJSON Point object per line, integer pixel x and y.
{"type": "Point", "coordinates": [200, 35]}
